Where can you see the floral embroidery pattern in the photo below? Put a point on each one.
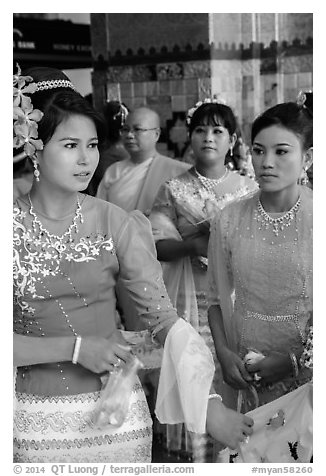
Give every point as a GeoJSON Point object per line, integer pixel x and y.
{"type": "Point", "coordinates": [128, 452]}
{"type": "Point", "coordinates": [199, 202]}
{"type": "Point", "coordinates": [58, 421]}
{"type": "Point", "coordinates": [39, 257]}
{"type": "Point", "coordinates": [139, 454]}
{"type": "Point", "coordinates": [82, 397]}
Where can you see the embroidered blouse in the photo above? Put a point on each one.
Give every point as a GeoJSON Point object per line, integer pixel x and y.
{"type": "Point", "coordinates": [69, 289]}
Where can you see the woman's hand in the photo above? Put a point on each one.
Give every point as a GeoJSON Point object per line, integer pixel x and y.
{"type": "Point", "coordinates": [103, 355]}
{"type": "Point", "coordinates": [273, 368]}
{"type": "Point", "coordinates": [234, 370]}
{"type": "Point", "coordinates": [227, 426]}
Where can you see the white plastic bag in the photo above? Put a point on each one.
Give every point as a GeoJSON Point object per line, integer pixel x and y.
{"type": "Point", "coordinates": [112, 407]}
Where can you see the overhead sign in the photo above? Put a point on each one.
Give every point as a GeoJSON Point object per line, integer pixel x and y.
{"type": "Point", "coordinates": [44, 40]}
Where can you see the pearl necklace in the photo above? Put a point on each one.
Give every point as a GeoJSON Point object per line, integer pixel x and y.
{"type": "Point", "coordinates": [56, 239]}
{"type": "Point", "coordinates": [265, 220]}
{"type": "Point", "coordinates": [209, 183]}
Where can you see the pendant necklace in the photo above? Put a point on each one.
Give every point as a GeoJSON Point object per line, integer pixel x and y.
{"type": "Point", "coordinates": [278, 224]}
{"type": "Point", "coordinates": [56, 241]}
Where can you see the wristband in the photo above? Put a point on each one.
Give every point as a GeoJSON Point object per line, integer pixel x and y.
{"type": "Point", "coordinates": [215, 395]}
{"type": "Point", "coordinates": [294, 364]}
{"type": "Point", "coordinates": [75, 354]}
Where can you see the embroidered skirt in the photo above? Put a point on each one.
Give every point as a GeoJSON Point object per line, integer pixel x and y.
{"type": "Point", "coordinates": [61, 429]}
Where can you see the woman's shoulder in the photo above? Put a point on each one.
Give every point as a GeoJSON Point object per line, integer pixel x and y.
{"type": "Point", "coordinates": [115, 217]}
{"type": "Point", "coordinates": [181, 183]}
{"type": "Point", "coordinates": [306, 194]}
{"type": "Point", "coordinates": [185, 176]}
{"type": "Point", "coordinates": [242, 203]}
{"type": "Point", "coordinates": [93, 204]}
{"type": "Point", "coordinates": [236, 210]}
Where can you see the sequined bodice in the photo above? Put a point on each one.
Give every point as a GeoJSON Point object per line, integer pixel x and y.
{"type": "Point", "coordinates": [50, 278]}
{"type": "Point", "coordinates": [68, 288]}
{"type": "Point", "coordinates": [272, 278]}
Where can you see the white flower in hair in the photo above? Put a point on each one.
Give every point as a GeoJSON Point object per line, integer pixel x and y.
{"type": "Point", "coordinates": [301, 97]}
{"type": "Point", "coordinates": [25, 116]}
{"type": "Point", "coordinates": [217, 99]}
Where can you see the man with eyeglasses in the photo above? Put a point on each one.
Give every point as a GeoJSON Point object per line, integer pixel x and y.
{"type": "Point", "coordinates": [133, 184]}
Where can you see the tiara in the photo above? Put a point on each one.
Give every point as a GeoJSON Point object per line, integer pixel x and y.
{"type": "Point", "coordinates": [54, 83]}
{"type": "Point", "coordinates": [215, 100]}
{"type": "Point", "coordinates": [25, 116]}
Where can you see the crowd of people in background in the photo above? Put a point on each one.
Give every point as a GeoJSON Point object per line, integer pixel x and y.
{"type": "Point", "coordinates": [122, 252]}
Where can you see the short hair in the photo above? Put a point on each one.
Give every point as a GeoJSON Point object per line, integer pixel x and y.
{"type": "Point", "coordinates": [213, 114]}
{"type": "Point", "coordinates": [60, 103]}
{"type": "Point", "coordinates": [290, 115]}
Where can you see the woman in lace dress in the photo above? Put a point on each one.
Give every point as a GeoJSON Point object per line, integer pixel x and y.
{"type": "Point", "coordinates": [182, 213]}
{"type": "Point", "coordinates": [69, 251]}
{"type": "Point", "coordinates": [260, 265]}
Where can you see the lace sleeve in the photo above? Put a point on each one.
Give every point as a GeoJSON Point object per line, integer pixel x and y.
{"type": "Point", "coordinates": [141, 273]}
{"type": "Point", "coordinates": [164, 203]}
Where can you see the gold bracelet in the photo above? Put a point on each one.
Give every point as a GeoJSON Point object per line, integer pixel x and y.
{"type": "Point", "coordinates": [75, 354]}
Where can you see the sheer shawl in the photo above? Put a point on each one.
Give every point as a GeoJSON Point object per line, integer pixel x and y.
{"type": "Point", "coordinates": [177, 274]}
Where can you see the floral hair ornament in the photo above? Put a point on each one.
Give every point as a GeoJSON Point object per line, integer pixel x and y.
{"type": "Point", "coordinates": [25, 117]}
{"type": "Point", "coordinates": [123, 113]}
{"type": "Point", "coordinates": [215, 100]}
{"type": "Point", "coordinates": [301, 98]}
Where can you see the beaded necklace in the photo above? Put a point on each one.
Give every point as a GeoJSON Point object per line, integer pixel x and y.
{"type": "Point", "coordinates": [56, 241]}
{"type": "Point", "coordinates": [278, 224]}
{"type": "Point", "coordinates": [209, 183]}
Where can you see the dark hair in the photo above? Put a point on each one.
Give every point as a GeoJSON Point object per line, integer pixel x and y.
{"type": "Point", "coordinates": [114, 119]}
{"type": "Point", "coordinates": [58, 104]}
{"type": "Point", "coordinates": [213, 114]}
{"type": "Point", "coordinates": [296, 118]}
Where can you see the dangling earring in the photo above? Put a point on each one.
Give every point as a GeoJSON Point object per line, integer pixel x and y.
{"type": "Point", "coordinates": [36, 171]}
{"type": "Point", "coordinates": [304, 178]}
{"type": "Point", "coordinates": [231, 151]}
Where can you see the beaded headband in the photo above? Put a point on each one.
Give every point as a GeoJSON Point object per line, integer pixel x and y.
{"type": "Point", "coordinates": [54, 83]}
{"type": "Point", "coordinates": [215, 100]}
